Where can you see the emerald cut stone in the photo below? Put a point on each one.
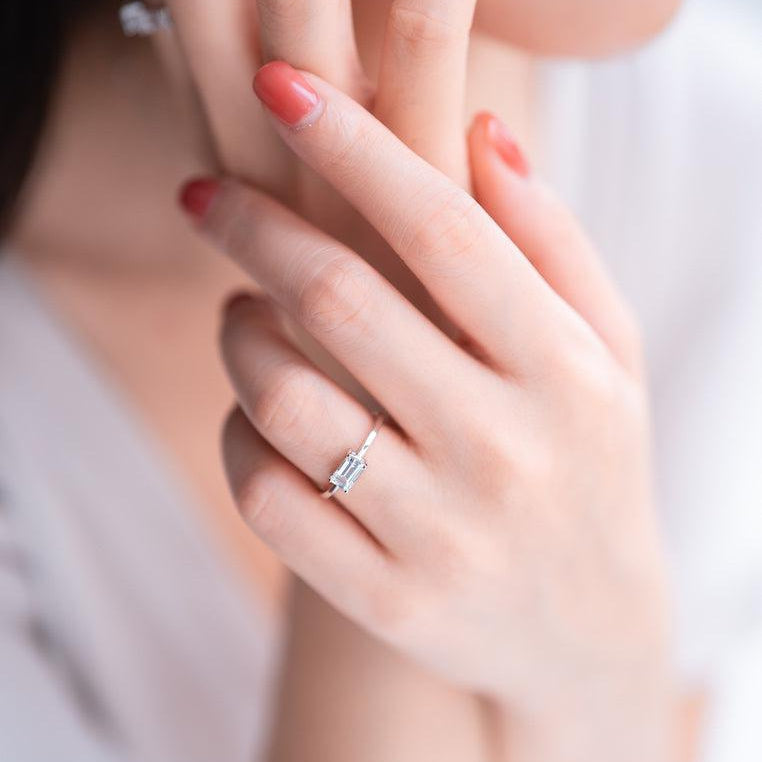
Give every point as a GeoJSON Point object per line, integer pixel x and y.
{"type": "Point", "coordinates": [346, 475]}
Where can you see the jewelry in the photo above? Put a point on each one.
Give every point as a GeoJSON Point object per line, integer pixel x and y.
{"type": "Point", "coordinates": [140, 20]}
{"type": "Point", "coordinates": [346, 475]}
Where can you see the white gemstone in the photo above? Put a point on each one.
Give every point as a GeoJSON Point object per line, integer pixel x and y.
{"type": "Point", "coordinates": [346, 475]}
{"type": "Point", "coordinates": [139, 20]}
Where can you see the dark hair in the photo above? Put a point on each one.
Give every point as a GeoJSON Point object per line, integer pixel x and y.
{"type": "Point", "coordinates": [32, 38]}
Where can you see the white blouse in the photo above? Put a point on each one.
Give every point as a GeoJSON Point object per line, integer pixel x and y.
{"type": "Point", "coordinates": [125, 634]}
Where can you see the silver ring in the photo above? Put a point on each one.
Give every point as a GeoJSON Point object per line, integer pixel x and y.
{"type": "Point", "coordinates": [140, 20]}
{"type": "Point", "coordinates": [352, 467]}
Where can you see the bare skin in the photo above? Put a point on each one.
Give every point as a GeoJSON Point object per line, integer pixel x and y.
{"type": "Point", "coordinates": [119, 260]}
{"type": "Point", "coordinates": [116, 290]}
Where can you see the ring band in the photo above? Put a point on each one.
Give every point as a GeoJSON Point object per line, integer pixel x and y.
{"type": "Point", "coordinates": [140, 20]}
{"type": "Point", "coordinates": [352, 467]}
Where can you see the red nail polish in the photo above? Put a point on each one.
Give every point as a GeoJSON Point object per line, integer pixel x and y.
{"type": "Point", "coordinates": [287, 94]}
{"type": "Point", "coordinates": [503, 142]}
{"type": "Point", "coordinates": [197, 196]}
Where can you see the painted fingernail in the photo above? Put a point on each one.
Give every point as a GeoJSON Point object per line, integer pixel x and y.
{"type": "Point", "coordinates": [196, 196]}
{"type": "Point", "coordinates": [504, 143]}
{"type": "Point", "coordinates": [287, 94]}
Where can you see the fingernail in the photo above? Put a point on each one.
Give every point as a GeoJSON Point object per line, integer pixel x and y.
{"type": "Point", "coordinates": [505, 145]}
{"type": "Point", "coordinates": [196, 197]}
{"type": "Point", "coordinates": [287, 94]}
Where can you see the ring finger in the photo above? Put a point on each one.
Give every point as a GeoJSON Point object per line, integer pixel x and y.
{"type": "Point", "coordinates": [315, 538]}
{"type": "Point", "coordinates": [311, 421]}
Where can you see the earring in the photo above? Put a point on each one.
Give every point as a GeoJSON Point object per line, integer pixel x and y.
{"type": "Point", "coordinates": [140, 20]}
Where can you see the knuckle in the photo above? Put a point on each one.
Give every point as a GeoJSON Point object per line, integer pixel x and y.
{"type": "Point", "coordinates": [519, 474]}
{"type": "Point", "coordinates": [507, 464]}
{"type": "Point", "coordinates": [573, 350]}
{"type": "Point", "coordinates": [449, 230]}
{"type": "Point", "coordinates": [336, 298]}
{"type": "Point", "coordinates": [450, 554]}
{"type": "Point", "coordinates": [390, 609]}
{"type": "Point", "coordinates": [496, 469]}
{"type": "Point", "coordinates": [489, 455]}
{"type": "Point", "coordinates": [597, 381]}
{"type": "Point", "coordinates": [534, 471]}
{"type": "Point", "coordinates": [279, 411]}
{"type": "Point", "coordinates": [353, 137]}
{"type": "Point", "coordinates": [588, 381]}
{"type": "Point", "coordinates": [418, 25]}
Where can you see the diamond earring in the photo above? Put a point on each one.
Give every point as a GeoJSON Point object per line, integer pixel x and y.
{"type": "Point", "coordinates": [141, 20]}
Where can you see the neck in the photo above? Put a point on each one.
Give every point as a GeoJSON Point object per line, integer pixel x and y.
{"type": "Point", "coordinates": [119, 141]}
{"type": "Point", "coordinates": [124, 133]}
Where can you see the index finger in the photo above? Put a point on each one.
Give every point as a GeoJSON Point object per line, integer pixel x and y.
{"type": "Point", "coordinates": [473, 270]}
{"type": "Point", "coordinates": [314, 34]}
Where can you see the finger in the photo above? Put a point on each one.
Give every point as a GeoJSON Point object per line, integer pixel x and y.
{"type": "Point", "coordinates": [351, 310]}
{"type": "Point", "coordinates": [311, 421]}
{"type": "Point", "coordinates": [549, 235]}
{"type": "Point", "coordinates": [476, 274]}
{"type": "Point", "coordinates": [318, 540]}
{"type": "Point", "coordinates": [186, 96]}
{"type": "Point", "coordinates": [422, 79]}
{"type": "Point", "coordinates": [317, 35]}
{"type": "Point", "coordinates": [219, 45]}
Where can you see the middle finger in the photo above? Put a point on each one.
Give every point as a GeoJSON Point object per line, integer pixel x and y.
{"type": "Point", "coordinates": [422, 81]}
{"type": "Point", "coordinates": [317, 35]}
{"type": "Point", "coordinates": [473, 270]}
{"type": "Point", "coordinates": [346, 305]}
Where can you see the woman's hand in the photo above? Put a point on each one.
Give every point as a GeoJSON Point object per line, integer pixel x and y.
{"type": "Point", "coordinates": [419, 92]}
{"type": "Point", "coordinates": [504, 531]}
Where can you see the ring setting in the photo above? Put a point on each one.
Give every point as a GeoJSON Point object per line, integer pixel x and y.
{"type": "Point", "coordinates": [354, 464]}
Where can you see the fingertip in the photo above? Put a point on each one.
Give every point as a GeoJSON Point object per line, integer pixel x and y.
{"type": "Point", "coordinates": [197, 196]}
{"type": "Point", "coordinates": [287, 94]}
{"type": "Point", "coordinates": [489, 133]}
{"type": "Point", "coordinates": [479, 122]}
